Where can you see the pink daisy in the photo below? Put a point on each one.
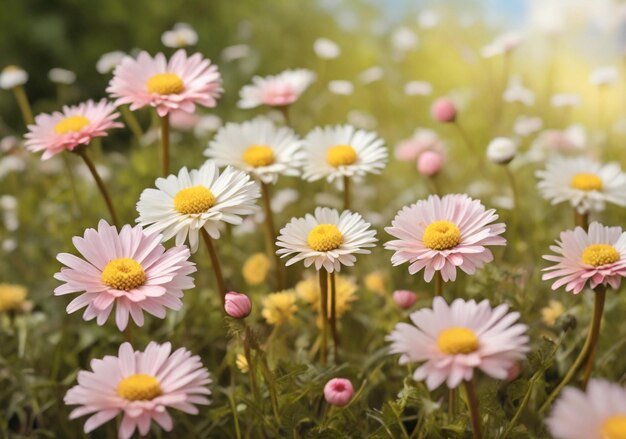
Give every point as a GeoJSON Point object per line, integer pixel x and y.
{"type": "Point", "coordinates": [276, 91]}
{"type": "Point", "coordinates": [453, 340]}
{"type": "Point", "coordinates": [72, 127]}
{"type": "Point", "coordinates": [597, 256]}
{"type": "Point", "coordinates": [141, 385]}
{"type": "Point", "coordinates": [130, 268]}
{"type": "Point", "coordinates": [441, 234]}
{"type": "Point", "coordinates": [179, 84]}
{"type": "Point", "coordinates": [598, 413]}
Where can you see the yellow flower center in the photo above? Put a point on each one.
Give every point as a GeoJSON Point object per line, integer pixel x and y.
{"type": "Point", "coordinates": [586, 182]}
{"type": "Point", "coordinates": [193, 200]}
{"type": "Point", "coordinates": [614, 427]}
{"type": "Point", "coordinates": [139, 387]}
{"type": "Point", "coordinates": [341, 155]}
{"type": "Point", "coordinates": [258, 155]}
{"type": "Point", "coordinates": [324, 237]}
{"type": "Point", "coordinates": [71, 124]}
{"type": "Point", "coordinates": [600, 254]}
{"type": "Point", "coordinates": [441, 235]}
{"type": "Point", "coordinates": [166, 84]}
{"type": "Point", "coordinates": [457, 340]}
{"type": "Point", "coordinates": [123, 274]}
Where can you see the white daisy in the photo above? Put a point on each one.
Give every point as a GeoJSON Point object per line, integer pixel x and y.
{"type": "Point", "coordinates": [326, 238]}
{"type": "Point", "coordinates": [342, 151]}
{"type": "Point", "coordinates": [586, 184]}
{"type": "Point", "coordinates": [12, 76]}
{"type": "Point", "coordinates": [258, 147]}
{"type": "Point", "coordinates": [182, 205]}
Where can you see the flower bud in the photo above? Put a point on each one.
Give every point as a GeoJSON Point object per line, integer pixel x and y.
{"type": "Point", "coordinates": [443, 110]}
{"type": "Point", "coordinates": [501, 150]}
{"type": "Point", "coordinates": [405, 299]}
{"type": "Point", "coordinates": [338, 392]}
{"type": "Point", "coordinates": [237, 305]}
{"type": "Point", "coordinates": [429, 163]}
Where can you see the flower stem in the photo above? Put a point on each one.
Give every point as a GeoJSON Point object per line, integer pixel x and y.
{"type": "Point", "coordinates": [333, 317]}
{"type": "Point", "coordinates": [215, 262]}
{"type": "Point", "coordinates": [323, 277]}
{"type": "Point", "coordinates": [81, 151]}
{"type": "Point", "coordinates": [128, 333]}
{"type": "Point", "coordinates": [598, 308]}
{"type": "Point", "coordinates": [22, 102]}
{"type": "Point", "coordinates": [270, 235]}
{"type": "Point", "coordinates": [346, 192]}
{"type": "Point", "coordinates": [581, 219]}
{"type": "Point", "coordinates": [587, 349]}
{"type": "Point", "coordinates": [284, 109]}
{"type": "Point", "coordinates": [132, 122]}
{"type": "Point", "coordinates": [165, 142]}
{"type": "Point", "coordinates": [438, 284]}
{"type": "Point", "coordinates": [472, 402]}
{"type": "Point", "coordinates": [451, 403]}
{"type": "Point", "coordinates": [271, 384]}
{"type": "Point", "coordinates": [251, 366]}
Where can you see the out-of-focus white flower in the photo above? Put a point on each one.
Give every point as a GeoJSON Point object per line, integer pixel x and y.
{"type": "Point", "coordinates": [181, 35]}
{"type": "Point", "coordinates": [83, 172]}
{"type": "Point", "coordinates": [8, 202]}
{"type": "Point", "coordinates": [62, 76]}
{"type": "Point", "coordinates": [516, 92]}
{"type": "Point", "coordinates": [548, 16]}
{"type": "Point", "coordinates": [326, 49]}
{"type": "Point", "coordinates": [372, 74]}
{"type": "Point", "coordinates": [571, 140]}
{"type": "Point", "coordinates": [341, 87]}
{"type": "Point", "coordinates": [604, 76]}
{"type": "Point", "coordinates": [238, 51]}
{"type": "Point", "coordinates": [404, 39]}
{"type": "Point", "coordinates": [565, 100]}
{"type": "Point", "coordinates": [206, 125]}
{"type": "Point", "coordinates": [428, 19]}
{"type": "Point", "coordinates": [526, 125]}
{"type": "Point", "coordinates": [108, 61]}
{"type": "Point", "coordinates": [283, 198]}
{"type": "Point", "coordinates": [8, 245]}
{"type": "Point", "coordinates": [501, 150]}
{"type": "Point", "coordinates": [502, 45]}
{"type": "Point", "coordinates": [11, 163]}
{"type": "Point", "coordinates": [12, 76]}
{"type": "Point", "coordinates": [8, 143]}
{"type": "Point", "coordinates": [503, 202]}
{"type": "Point", "coordinates": [418, 88]}
{"type": "Point", "coordinates": [362, 120]}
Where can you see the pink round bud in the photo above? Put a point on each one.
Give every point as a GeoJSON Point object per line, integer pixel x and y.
{"type": "Point", "coordinates": [338, 392]}
{"type": "Point", "coordinates": [237, 305]}
{"type": "Point", "coordinates": [429, 163]}
{"type": "Point", "coordinates": [514, 371]}
{"type": "Point", "coordinates": [405, 299]}
{"type": "Point", "coordinates": [443, 110]}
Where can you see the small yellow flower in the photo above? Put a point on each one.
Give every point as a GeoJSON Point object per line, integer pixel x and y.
{"type": "Point", "coordinates": [375, 282]}
{"type": "Point", "coordinates": [242, 363]}
{"type": "Point", "coordinates": [279, 308]}
{"type": "Point", "coordinates": [12, 297]}
{"type": "Point", "coordinates": [345, 289]}
{"type": "Point", "coordinates": [255, 269]}
{"type": "Point", "coordinates": [552, 312]}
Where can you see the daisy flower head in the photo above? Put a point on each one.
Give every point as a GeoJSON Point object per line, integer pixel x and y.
{"type": "Point", "coordinates": [342, 151]}
{"type": "Point", "coordinates": [584, 183]}
{"type": "Point", "coordinates": [70, 128]}
{"type": "Point", "coordinates": [13, 76]}
{"type": "Point", "coordinates": [202, 198]}
{"type": "Point", "coordinates": [597, 413]}
{"type": "Point", "coordinates": [177, 84]}
{"type": "Point", "coordinates": [597, 256]}
{"type": "Point", "coordinates": [276, 91]}
{"type": "Point", "coordinates": [451, 340]}
{"type": "Point", "coordinates": [129, 269]}
{"type": "Point", "coordinates": [140, 386]}
{"type": "Point", "coordinates": [441, 234]}
{"type": "Point", "coordinates": [280, 307]}
{"type": "Point", "coordinates": [326, 238]}
{"type": "Point", "coordinates": [258, 147]}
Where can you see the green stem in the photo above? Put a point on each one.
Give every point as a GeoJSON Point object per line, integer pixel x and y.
{"type": "Point", "coordinates": [132, 122]}
{"type": "Point", "coordinates": [22, 102]}
{"type": "Point", "coordinates": [215, 262]}
{"type": "Point", "coordinates": [600, 297]}
{"type": "Point", "coordinates": [438, 284]}
{"type": "Point", "coordinates": [271, 384]}
{"type": "Point", "coordinates": [581, 219]}
{"type": "Point", "coordinates": [251, 366]}
{"type": "Point", "coordinates": [333, 317]}
{"type": "Point", "coordinates": [285, 111]}
{"type": "Point", "coordinates": [81, 151]}
{"type": "Point", "coordinates": [323, 279]}
{"type": "Point", "coordinates": [346, 192]}
{"type": "Point", "coordinates": [165, 143]}
{"type": "Point", "coordinates": [451, 403]}
{"type": "Point", "coordinates": [472, 402]}
{"type": "Point", "coordinates": [270, 236]}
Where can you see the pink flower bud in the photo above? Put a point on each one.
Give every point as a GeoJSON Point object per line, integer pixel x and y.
{"type": "Point", "coordinates": [338, 392]}
{"type": "Point", "coordinates": [514, 371]}
{"type": "Point", "coordinates": [443, 110]}
{"type": "Point", "coordinates": [429, 163]}
{"type": "Point", "coordinates": [237, 305]}
{"type": "Point", "coordinates": [405, 299]}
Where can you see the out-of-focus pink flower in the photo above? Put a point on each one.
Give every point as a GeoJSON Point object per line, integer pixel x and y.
{"type": "Point", "coordinates": [422, 140]}
{"type": "Point", "coordinates": [443, 110]}
{"type": "Point", "coordinates": [405, 299]}
{"type": "Point", "coordinates": [338, 392]}
{"type": "Point", "coordinates": [276, 91]}
{"type": "Point", "coordinates": [514, 371]}
{"type": "Point", "coordinates": [429, 163]}
{"type": "Point", "coordinates": [237, 305]}
{"type": "Point", "coordinates": [182, 120]}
